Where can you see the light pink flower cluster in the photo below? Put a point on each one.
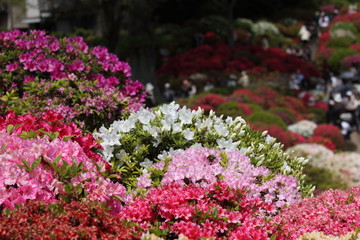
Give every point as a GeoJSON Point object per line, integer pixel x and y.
{"type": "Point", "coordinates": [203, 167]}
{"type": "Point", "coordinates": [48, 73]}
{"type": "Point", "coordinates": [17, 185]}
{"type": "Point", "coordinates": [334, 212]}
{"type": "Point", "coordinates": [215, 212]}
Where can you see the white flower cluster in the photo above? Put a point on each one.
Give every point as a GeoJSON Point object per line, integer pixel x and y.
{"type": "Point", "coordinates": [304, 127]}
{"type": "Point", "coordinates": [262, 27]}
{"type": "Point", "coordinates": [148, 136]}
{"type": "Point", "coordinates": [317, 154]}
{"type": "Point", "coordinates": [344, 165]}
{"type": "Point", "coordinates": [170, 118]}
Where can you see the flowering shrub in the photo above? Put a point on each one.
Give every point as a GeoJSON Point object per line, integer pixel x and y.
{"type": "Point", "coordinates": [213, 100]}
{"type": "Point", "coordinates": [217, 212]}
{"type": "Point", "coordinates": [317, 154]}
{"type": "Point", "coordinates": [51, 124]}
{"type": "Point", "coordinates": [247, 94]}
{"type": "Point", "coordinates": [321, 236]}
{"type": "Point", "coordinates": [266, 117]}
{"type": "Point", "coordinates": [305, 128]}
{"type": "Point", "coordinates": [230, 108]}
{"type": "Point", "coordinates": [350, 61]}
{"type": "Point", "coordinates": [134, 143]}
{"type": "Point", "coordinates": [321, 140]}
{"type": "Point", "coordinates": [334, 212]}
{"type": "Point", "coordinates": [346, 166]}
{"type": "Point", "coordinates": [245, 109]}
{"type": "Point", "coordinates": [287, 138]}
{"type": "Point", "coordinates": [285, 114]}
{"type": "Point", "coordinates": [261, 28]}
{"type": "Point", "coordinates": [331, 132]}
{"type": "Point", "coordinates": [203, 167]}
{"type": "Point", "coordinates": [39, 169]}
{"type": "Point", "coordinates": [41, 72]}
{"type": "Point", "coordinates": [219, 57]}
{"type": "Point", "coordinates": [268, 96]}
{"type": "Point", "coordinates": [74, 220]}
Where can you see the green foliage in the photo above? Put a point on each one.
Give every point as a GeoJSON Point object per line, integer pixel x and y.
{"type": "Point", "coordinates": [229, 108]}
{"type": "Point", "coordinates": [322, 178]}
{"type": "Point", "coordinates": [349, 26]}
{"type": "Point", "coordinates": [244, 23]}
{"type": "Point", "coordinates": [338, 55]}
{"type": "Point", "coordinates": [224, 91]}
{"type": "Point", "coordinates": [254, 107]}
{"type": "Point", "coordinates": [284, 113]}
{"type": "Point", "coordinates": [266, 117]}
{"type": "Point", "coordinates": [318, 115]}
{"type": "Point", "coordinates": [340, 42]}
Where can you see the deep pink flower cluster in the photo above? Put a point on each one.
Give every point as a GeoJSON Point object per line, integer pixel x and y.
{"type": "Point", "coordinates": [217, 212]}
{"type": "Point", "coordinates": [351, 61]}
{"type": "Point", "coordinates": [323, 141]}
{"type": "Point", "coordinates": [331, 132]}
{"type": "Point", "coordinates": [334, 212]}
{"type": "Point", "coordinates": [66, 76]}
{"type": "Point", "coordinates": [286, 137]}
{"type": "Point", "coordinates": [213, 100]}
{"type": "Point", "coordinates": [218, 56]}
{"type": "Point", "coordinates": [52, 122]}
{"type": "Point", "coordinates": [204, 166]}
{"type": "Point", "coordinates": [38, 180]}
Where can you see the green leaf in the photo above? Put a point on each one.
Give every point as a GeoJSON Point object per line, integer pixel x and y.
{"type": "Point", "coordinates": [57, 160]}
{"type": "Point", "coordinates": [10, 128]}
{"type": "Point", "coordinates": [35, 163]}
{"type": "Point", "coordinates": [26, 164]}
{"type": "Point", "coordinates": [118, 198]}
{"type": "Point", "coordinates": [67, 138]}
{"type": "Point", "coordinates": [53, 135]}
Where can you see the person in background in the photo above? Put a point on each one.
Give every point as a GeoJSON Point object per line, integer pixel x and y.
{"type": "Point", "coordinates": [169, 94]}
{"type": "Point", "coordinates": [304, 34]}
{"type": "Point", "coordinates": [188, 89]}
{"type": "Point", "coordinates": [244, 80]}
{"type": "Point", "coordinates": [324, 21]}
{"type": "Point", "coordinates": [150, 99]}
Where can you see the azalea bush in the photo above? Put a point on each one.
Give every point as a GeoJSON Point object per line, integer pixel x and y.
{"type": "Point", "coordinates": [204, 167]}
{"type": "Point", "coordinates": [61, 220]}
{"type": "Point", "coordinates": [331, 132]}
{"type": "Point", "coordinates": [41, 72]}
{"type": "Point", "coordinates": [304, 127]}
{"type": "Point", "coordinates": [217, 212]}
{"type": "Point", "coordinates": [132, 144]}
{"type": "Point", "coordinates": [218, 57]}
{"type": "Point", "coordinates": [333, 213]}
{"type": "Point", "coordinates": [343, 165]}
{"type": "Point", "coordinates": [40, 159]}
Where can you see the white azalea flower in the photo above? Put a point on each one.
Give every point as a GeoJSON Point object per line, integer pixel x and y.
{"type": "Point", "coordinates": [177, 127]}
{"type": "Point", "coordinates": [185, 116]}
{"type": "Point", "coordinates": [269, 139]}
{"type": "Point", "coordinates": [144, 116]}
{"type": "Point", "coordinates": [221, 129]}
{"type": "Point", "coordinates": [125, 125]}
{"type": "Point", "coordinates": [146, 163]}
{"type": "Point", "coordinates": [166, 123]}
{"type": "Point", "coordinates": [153, 131]}
{"type": "Point", "coordinates": [165, 154]}
{"type": "Point", "coordinates": [188, 134]}
{"type": "Point", "coordinates": [227, 144]}
{"type": "Point", "coordinates": [170, 109]}
{"type": "Point", "coordinates": [196, 145]}
{"type": "Point", "coordinates": [286, 167]}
